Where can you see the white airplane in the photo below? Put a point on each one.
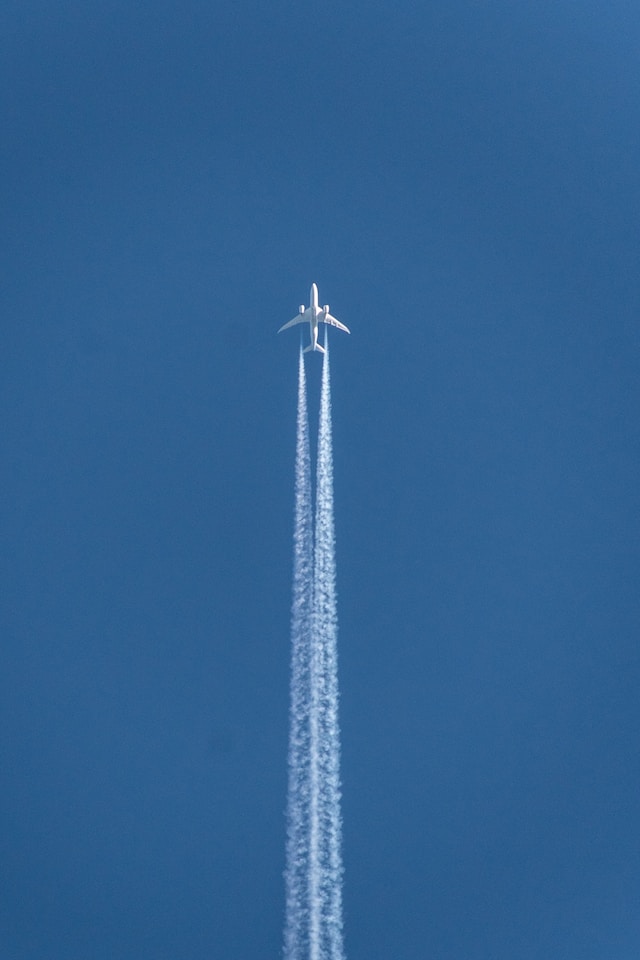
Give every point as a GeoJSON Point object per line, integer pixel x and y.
{"type": "Point", "coordinates": [313, 315]}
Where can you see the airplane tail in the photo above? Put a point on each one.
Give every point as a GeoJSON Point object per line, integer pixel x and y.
{"type": "Point", "coordinates": [310, 348]}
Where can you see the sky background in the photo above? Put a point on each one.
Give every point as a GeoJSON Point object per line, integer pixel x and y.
{"type": "Point", "coordinates": [462, 181]}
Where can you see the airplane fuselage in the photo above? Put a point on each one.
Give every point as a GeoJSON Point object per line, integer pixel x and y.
{"type": "Point", "coordinates": [314, 314]}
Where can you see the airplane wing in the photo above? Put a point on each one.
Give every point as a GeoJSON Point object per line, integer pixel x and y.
{"type": "Point", "coordinates": [335, 323]}
{"type": "Point", "coordinates": [299, 319]}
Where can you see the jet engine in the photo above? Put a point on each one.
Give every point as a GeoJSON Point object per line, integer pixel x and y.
{"type": "Point", "coordinates": [302, 308]}
{"type": "Point", "coordinates": [326, 308]}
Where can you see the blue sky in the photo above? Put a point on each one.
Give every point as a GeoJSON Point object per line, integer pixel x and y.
{"type": "Point", "coordinates": [461, 180]}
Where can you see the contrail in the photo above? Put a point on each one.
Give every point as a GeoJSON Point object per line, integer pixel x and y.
{"type": "Point", "coordinates": [313, 928]}
{"type": "Point", "coordinates": [298, 861]}
{"type": "Point", "coordinates": [325, 659]}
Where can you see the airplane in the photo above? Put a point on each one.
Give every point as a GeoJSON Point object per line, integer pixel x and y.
{"type": "Point", "coordinates": [313, 315]}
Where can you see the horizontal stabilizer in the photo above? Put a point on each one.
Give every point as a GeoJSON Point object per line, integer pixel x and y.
{"type": "Point", "coordinates": [310, 348]}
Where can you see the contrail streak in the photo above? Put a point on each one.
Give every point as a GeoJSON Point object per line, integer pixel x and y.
{"type": "Point", "coordinates": [325, 675]}
{"type": "Point", "coordinates": [298, 863]}
{"type": "Point", "coordinates": [313, 928]}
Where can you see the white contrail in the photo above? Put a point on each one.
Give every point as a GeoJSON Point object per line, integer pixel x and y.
{"type": "Point", "coordinates": [298, 864]}
{"type": "Point", "coordinates": [325, 636]}
{"type": "Point", "coordinates": [313, 928]}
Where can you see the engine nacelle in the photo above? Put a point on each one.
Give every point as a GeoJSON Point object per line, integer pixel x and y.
{"type": "Point", "coordinates": [326, 308]}
{"type": "Point", "coordinates": [302, 308]}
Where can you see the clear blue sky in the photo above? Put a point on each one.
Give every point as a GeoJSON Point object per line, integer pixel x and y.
{"type": "Point", "coordinates": [461, 179]}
